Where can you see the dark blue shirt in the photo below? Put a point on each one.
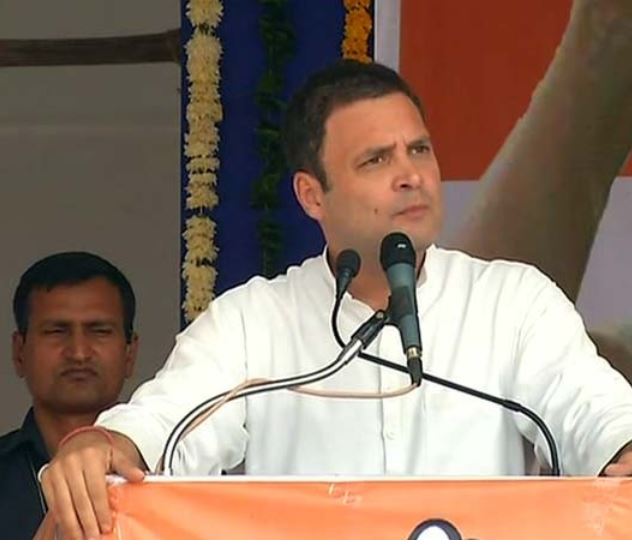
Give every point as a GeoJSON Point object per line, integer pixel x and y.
{"type": "Point", "coordinates": [22, 453]}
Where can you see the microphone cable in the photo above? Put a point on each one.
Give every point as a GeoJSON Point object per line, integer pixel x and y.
{"type": "Point", "coordinates": [361, 338]}
{"type": "Point", "coordinates": [506, 403]}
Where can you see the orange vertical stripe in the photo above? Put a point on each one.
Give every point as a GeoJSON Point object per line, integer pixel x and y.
{"type": "Point", "coordinates": [475, 69]}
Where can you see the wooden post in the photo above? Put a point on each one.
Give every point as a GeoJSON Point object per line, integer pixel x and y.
{"type": "Point", "coordinates": [161, 47]}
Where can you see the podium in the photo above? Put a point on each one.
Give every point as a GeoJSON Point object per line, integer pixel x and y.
{"type": "Point", "coordinates": [239, 507]}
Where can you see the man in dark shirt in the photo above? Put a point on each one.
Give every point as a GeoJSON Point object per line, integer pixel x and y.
{"type": "Point", "coordinates": [22, 453]}
{"type": "Point", "coordinates": [74, 345]}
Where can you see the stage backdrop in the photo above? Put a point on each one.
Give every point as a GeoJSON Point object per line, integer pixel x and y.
{"type": "Point", "coordinates": [317, 30]}
{"type": "Point", "coordinates": [475, 64]}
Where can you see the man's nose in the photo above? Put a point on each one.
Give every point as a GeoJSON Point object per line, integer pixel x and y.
{"type": "Point", "coordinates": [79, 347]}
{"type": "Point", "coordinates": [407, 175]}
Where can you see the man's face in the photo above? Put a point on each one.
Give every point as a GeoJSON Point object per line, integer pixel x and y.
{"type": "Point", "coordinates": [74, 356]}
{"type": "Point", "coordinates": [383, 176]}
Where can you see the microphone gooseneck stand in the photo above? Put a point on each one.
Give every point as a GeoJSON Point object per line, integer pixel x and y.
{"type": "Point", "coordinates": [506, 403]}
{"type": "Point", "coordinates": [360, 339]}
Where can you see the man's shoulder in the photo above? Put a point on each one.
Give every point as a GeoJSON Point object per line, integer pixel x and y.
{"type": "Point", "coordinates": [25, 438]}
{"type": "Point", "coordinates": [463, 267]}
{"type": "Point", "coordinates": [9, 442]}
{"type": "Point", "coordinates": [449, 257]}
{"type": "Point", "coordinates": [262, 302]}
{"type": "Point", "coordinates": [310, 272]}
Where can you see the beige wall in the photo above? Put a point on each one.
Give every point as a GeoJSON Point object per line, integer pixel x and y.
{"type": "Point", "coordinates": [89, 159]}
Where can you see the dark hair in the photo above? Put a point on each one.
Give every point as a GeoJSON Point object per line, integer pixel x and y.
{"type": "Point", "coordinates": [68, 269]}
{"type": "Point", "coordinates": [338, 85]}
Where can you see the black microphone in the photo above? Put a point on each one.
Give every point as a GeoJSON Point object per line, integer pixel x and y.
{"type": "Point", "coordinates": [397, 257]}
{"type": "Point", "coordinates": [509, 404]}
{"type": "Point", "coordinates": [347, 268]}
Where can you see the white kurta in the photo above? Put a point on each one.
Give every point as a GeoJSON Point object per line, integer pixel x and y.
{"type": "Point", "coordinates": [500, 327]}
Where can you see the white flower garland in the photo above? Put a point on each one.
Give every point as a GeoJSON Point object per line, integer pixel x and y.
{"type": "Point", "coordinates": [203, 113]}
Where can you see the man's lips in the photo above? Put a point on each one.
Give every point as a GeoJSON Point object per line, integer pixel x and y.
{"type": "Point", "coordinates": [414, 210]}
{"type": "Point", "coordinates": [79, 373]}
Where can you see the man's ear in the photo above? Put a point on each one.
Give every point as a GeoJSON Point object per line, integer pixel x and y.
{"type": "Point", "coordinates": [131, 353]}
{"type": "Point", "coordinates": [17, 352]}
{"type": "Point", "coordinates": [309, 193]}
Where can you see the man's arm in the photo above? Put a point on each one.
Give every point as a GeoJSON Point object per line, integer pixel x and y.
{"type": "Point", "coordinates": [557, 374]}
{"type": "Point", "coordinates": [614, 342]}
{"type": "Point", "coordinates": [542, 198]}
{"type": "Point", "coordinates": [74, 482]}
{"type": "Point", "coordinates": [621, 465]}
{"type": "Point", "coordinates": [208, 358]}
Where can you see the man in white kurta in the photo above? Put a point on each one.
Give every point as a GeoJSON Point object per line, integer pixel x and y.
{"type": "Point", "coordinates": [364, 167]}
{"type": "Point", "coordinates": [500, 327]}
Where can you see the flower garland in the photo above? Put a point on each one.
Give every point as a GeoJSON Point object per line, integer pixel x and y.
{"type": "Point", "coordinates": [358, 25]}
{"type": "Point", "coordinates": [203, 114]}
{"type": "Point", "coordinates": [278, 43]}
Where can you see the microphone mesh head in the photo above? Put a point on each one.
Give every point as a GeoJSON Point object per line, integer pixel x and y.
{"type": "Point", "coordinates": [396, 248]}
{"type": "Point", "coordinates": [348, 260]}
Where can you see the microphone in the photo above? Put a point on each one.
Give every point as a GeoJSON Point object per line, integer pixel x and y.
{"type": "Point", "coordinates": [397, 257]}
{"type": "Point", "coordinates": [368, 330]}
{"type": "Point", "coordinates": [347, 268]}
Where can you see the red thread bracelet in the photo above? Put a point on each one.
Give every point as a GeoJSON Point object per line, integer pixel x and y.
{"type": "Point", "coordinates": [105, 433]}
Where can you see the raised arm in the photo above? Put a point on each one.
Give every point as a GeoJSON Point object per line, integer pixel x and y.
{"type": "Point", "coordinates": [541, 199]}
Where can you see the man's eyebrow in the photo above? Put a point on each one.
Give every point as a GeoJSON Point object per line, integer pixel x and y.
{"type": "Point", "coordinates": [89, 323]}
{"type": "Point", "coordinates": [381, 150]}
{"type": "Point", "coordinates": [54, 321]}
{"type": "Point", "coordinates": [376, 150]}
{"type": "Point", "coordinates": [100, 322]}
{"type": "Point", "coordinates": [417, 141]}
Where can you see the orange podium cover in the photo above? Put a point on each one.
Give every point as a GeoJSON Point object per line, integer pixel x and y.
{"type": "Point", "coordinates": [380, 508]}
